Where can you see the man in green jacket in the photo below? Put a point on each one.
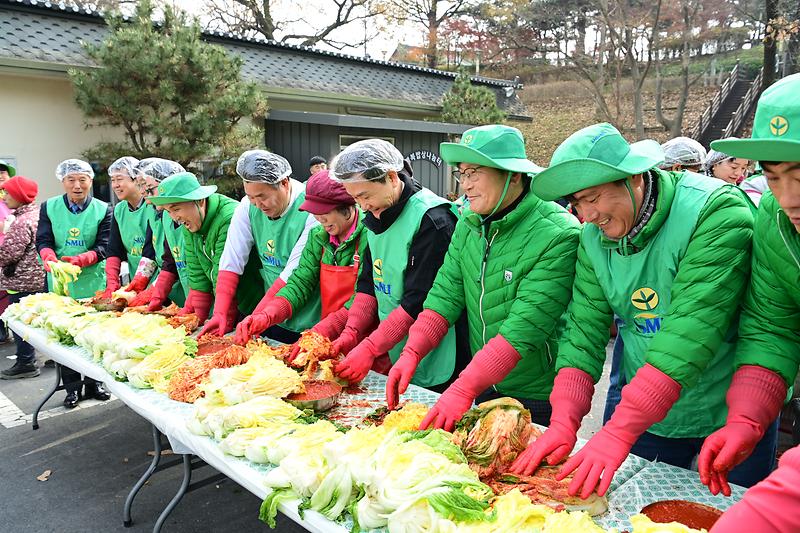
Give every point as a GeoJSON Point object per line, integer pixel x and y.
{"type": "Point", "coordinates": [329, 265]}
{"type": "Point", "coordinates": [511, 264]}
{"type": "Point", "coordinates": [205, 217]}
{"type": "Point", "coordinates": [768, 350]}
{"type": "Point", "coordinates": [668, 254]}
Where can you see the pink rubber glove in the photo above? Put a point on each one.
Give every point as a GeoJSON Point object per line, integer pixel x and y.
{"type": "Point", "coordinates": [332, 325]}
{"type": "Point", "coordinates": [570, 399]}
{"type": "Point", "coordinates": [425, 334]}
{"type": "Point", "coordinates": [278, 310]}
{"type": "Point", "coordinates": [356, 365]}
{"type": "Point", "coordinates": [161, 289]}
{"type": "Point", "coordinates": [227, 282]}
{"type": "Point", "coordinates": [138, 284]}
{"type": "Point", "coordinates": [768, 505]}
{"type": "Point", "coordinates": [277, 285]}
{"type": "Point", "coordinates": [363, 314]}
{"type": "Point", "coordinates": [46, 254]}
{"type": "Point", "coordinates": [81, 260]}
{"type": "Point", "coordinates": [754, 399]}
{"type": "Point", "coordinates": [488, 367]}
{"type": "Point", "coordinates": [646, 400]}
{"type": "Point", "coordinates": [113, 266]}
{"type": "Point", "coordinates": [199, 303]}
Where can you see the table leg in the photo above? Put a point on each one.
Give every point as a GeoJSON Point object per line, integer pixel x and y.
{"type": "Point", "coordinates": [187, 478]}
{"type": "Point", "coordinates": [56, 386]}
{"type": "Point", "coordinates": [126, 513]}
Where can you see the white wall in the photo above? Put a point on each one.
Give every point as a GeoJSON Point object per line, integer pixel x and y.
{"type": "Point", "coordinates": [42, 126]}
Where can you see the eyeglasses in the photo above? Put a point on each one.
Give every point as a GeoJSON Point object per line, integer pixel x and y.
{"type": "Point", "coordinates": [466, 175]}
{"type": "Point", "coordinates": [150, 191]}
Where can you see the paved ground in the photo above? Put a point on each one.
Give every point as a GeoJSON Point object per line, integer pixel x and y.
{"type": "Point", "coordinates": [95, 454]}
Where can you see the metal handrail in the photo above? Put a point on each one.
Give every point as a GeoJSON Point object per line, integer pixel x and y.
{"type": "Point", "coordinates": [745, 106]}
{"type": "Point", "coordinates": [705, 119]}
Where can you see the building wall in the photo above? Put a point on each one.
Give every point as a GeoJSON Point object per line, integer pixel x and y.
{"type": "Point", "coordinates": [298, 142]}
{"type": "Point", "coordinates": [42, 126]}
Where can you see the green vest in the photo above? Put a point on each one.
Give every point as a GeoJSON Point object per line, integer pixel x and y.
{"type": "Point", "coordinates": [177, 245]}
{"type": "Point", "coordinates": [75, 234]}
{"type": "Point", "coordinates": [389, 252]}
{"type": "Point", "coordinates": [274, 240]}
{"type": "Point", "coordinates": [132, 230]}
{"type": "Point", "coordinates": [638, 288]}
{"type": "Point", "coordinates": [154, 218]}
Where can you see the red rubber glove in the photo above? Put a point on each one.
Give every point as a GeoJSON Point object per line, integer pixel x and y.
{"type": "Point", "coordinates": [227, 282]}
{"type": "Point", "coordinates": [363, 314]}
{"type": "Point", "coordinates": [754, 399]}
{"type": "Point", "coordinates": [571, 399]}
{"type": "Point", "coordinates": [138, 284]}
{"type": "Point", "coordinates": [199, 303]}
{"type": "Point", "coordinates": [645, 400]}
{"type": "Point", "coordinates": [81, 260]}
{"type": "Point", "coordinates": [113, 266]}
{"type": "Point", "coordinates": [425, 334]}
{"type": "Point", "coordinates": [274, 288]}
{"type": "Point", "coordinates": [356, 365]}
{"type": "Point", "coordinates": [161, 289]}
{"type": "Point", "coordinates": [46, 254]}
{"type": "Point", "coordinates": [278, 310]}
{"type": "Point", "coordinates": [768, 505]}
{"type": "Point", "coordinates": [488, 367]}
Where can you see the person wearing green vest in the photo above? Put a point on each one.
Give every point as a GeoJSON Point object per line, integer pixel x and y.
{"type": "Point", "coordinates": [167, 236]}
{"type": "Point", "coordinates": [268, 224]}
{"type": "Point", "coordinates": [131, 238]}
{"type": "Point", "coordinates": [408, 231]}
{"type": "Point", "coordinates": [205, 216]}
{"type": "Point", "coordinates": [768, 350]}
{"type": "Point", "coordinates": [668, 253]}
{"type": "Point", "coordinates": [330, 263]}
{"type": "Point", "coordinates": [511, 265]}
{"type": "Point", "coordinates": [76, 227]}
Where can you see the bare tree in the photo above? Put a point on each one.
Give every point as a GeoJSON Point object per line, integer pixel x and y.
{"type": "Point", "coordinates": [254, 18]}
{"type": "Point", "coordinates": [431, 14]}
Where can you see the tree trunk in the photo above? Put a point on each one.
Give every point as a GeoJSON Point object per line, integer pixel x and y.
{"type": "Point", "coordinates": [433, 37]}
{"type": "Point", "coordinates": [770, 46]}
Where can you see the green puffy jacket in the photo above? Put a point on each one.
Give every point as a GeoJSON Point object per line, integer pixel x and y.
{"type": "Point", "coordinates": [204, 250]}
{"type": "Point", "coordinates": [705, 294]}
{"type": "Point", "coordinates": [515, 280]}
{"type": "Point", "coordinates": [319, 248]}
{"type": "Point", "coordinates": [769, 329]}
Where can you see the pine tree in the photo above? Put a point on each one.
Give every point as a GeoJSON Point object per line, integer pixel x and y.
{"type": "Point", "coordinates": [174, 95]}
{"type": "Point", "coordinates": [465, 103]}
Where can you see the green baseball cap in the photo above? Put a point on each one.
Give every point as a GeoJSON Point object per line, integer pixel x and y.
{"type": "Point", "coordinates": [11, 170]}
{"type": "Point", "coordinates": [495, 146]}
{"type": "Point", "coordinates": [181, 187]}
{"type": "Point", "coordinates": [776, 127]}
{"type": "Point", "coordinates": [592, 156]}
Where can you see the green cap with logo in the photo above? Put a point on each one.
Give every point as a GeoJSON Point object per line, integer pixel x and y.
{"type": "Point", "coordinates": [593, 156]}
{"type": "Point", "coordinates": [181, 187]}
{"type": "Point", "coordinates": [776, 127]}
{"type": "Point", "coordinates": [495, 146]}
{"type": "Point", "coordinates": [11, 170]}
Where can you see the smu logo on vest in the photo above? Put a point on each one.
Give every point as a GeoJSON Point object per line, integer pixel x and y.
{"type": "Point", "coordinates": [269, 255]}
{"type": "Point", "coordinates": [73, 238]}
{"type": "Point", "coordinates": [176, 253]}
{"type": "Point", "coordinates": [138, 245]}
{"type": "Point", "coordinates": [647, 322]}
{"type": "Point", "coordinates": [377, 278]}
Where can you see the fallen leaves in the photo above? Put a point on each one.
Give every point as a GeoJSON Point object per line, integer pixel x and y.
{"type": "Point", "coordinates": [44, 476]}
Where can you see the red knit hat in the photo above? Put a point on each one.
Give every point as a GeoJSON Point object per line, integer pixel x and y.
{"type": "Point", "coordinates": [323, 194]}
{"type": "Point", "coordinates": [21, 189]}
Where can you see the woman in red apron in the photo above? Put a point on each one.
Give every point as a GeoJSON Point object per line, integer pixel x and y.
{"type": "Point", "coordinates": [329, 264]}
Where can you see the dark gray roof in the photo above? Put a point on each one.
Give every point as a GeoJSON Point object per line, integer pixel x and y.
{"type": "Point", "coordinates": [40, 31]}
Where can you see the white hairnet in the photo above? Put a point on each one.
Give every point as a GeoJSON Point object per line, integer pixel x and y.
{"type": "Point", "coordinates": [157, 168]}
{"type": "Point", "coordinates": [683, 151]}
{"type": "Point", "coordinates": [366, 160]}
{"type": "Point", "coordinates": [126, 163]}
{"type": "Point", "coordinates": [261, 166]}
{"type": "Point", "coordinates": [713, 158]}
{"type": "Point", "coordinates": [73, 166]}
